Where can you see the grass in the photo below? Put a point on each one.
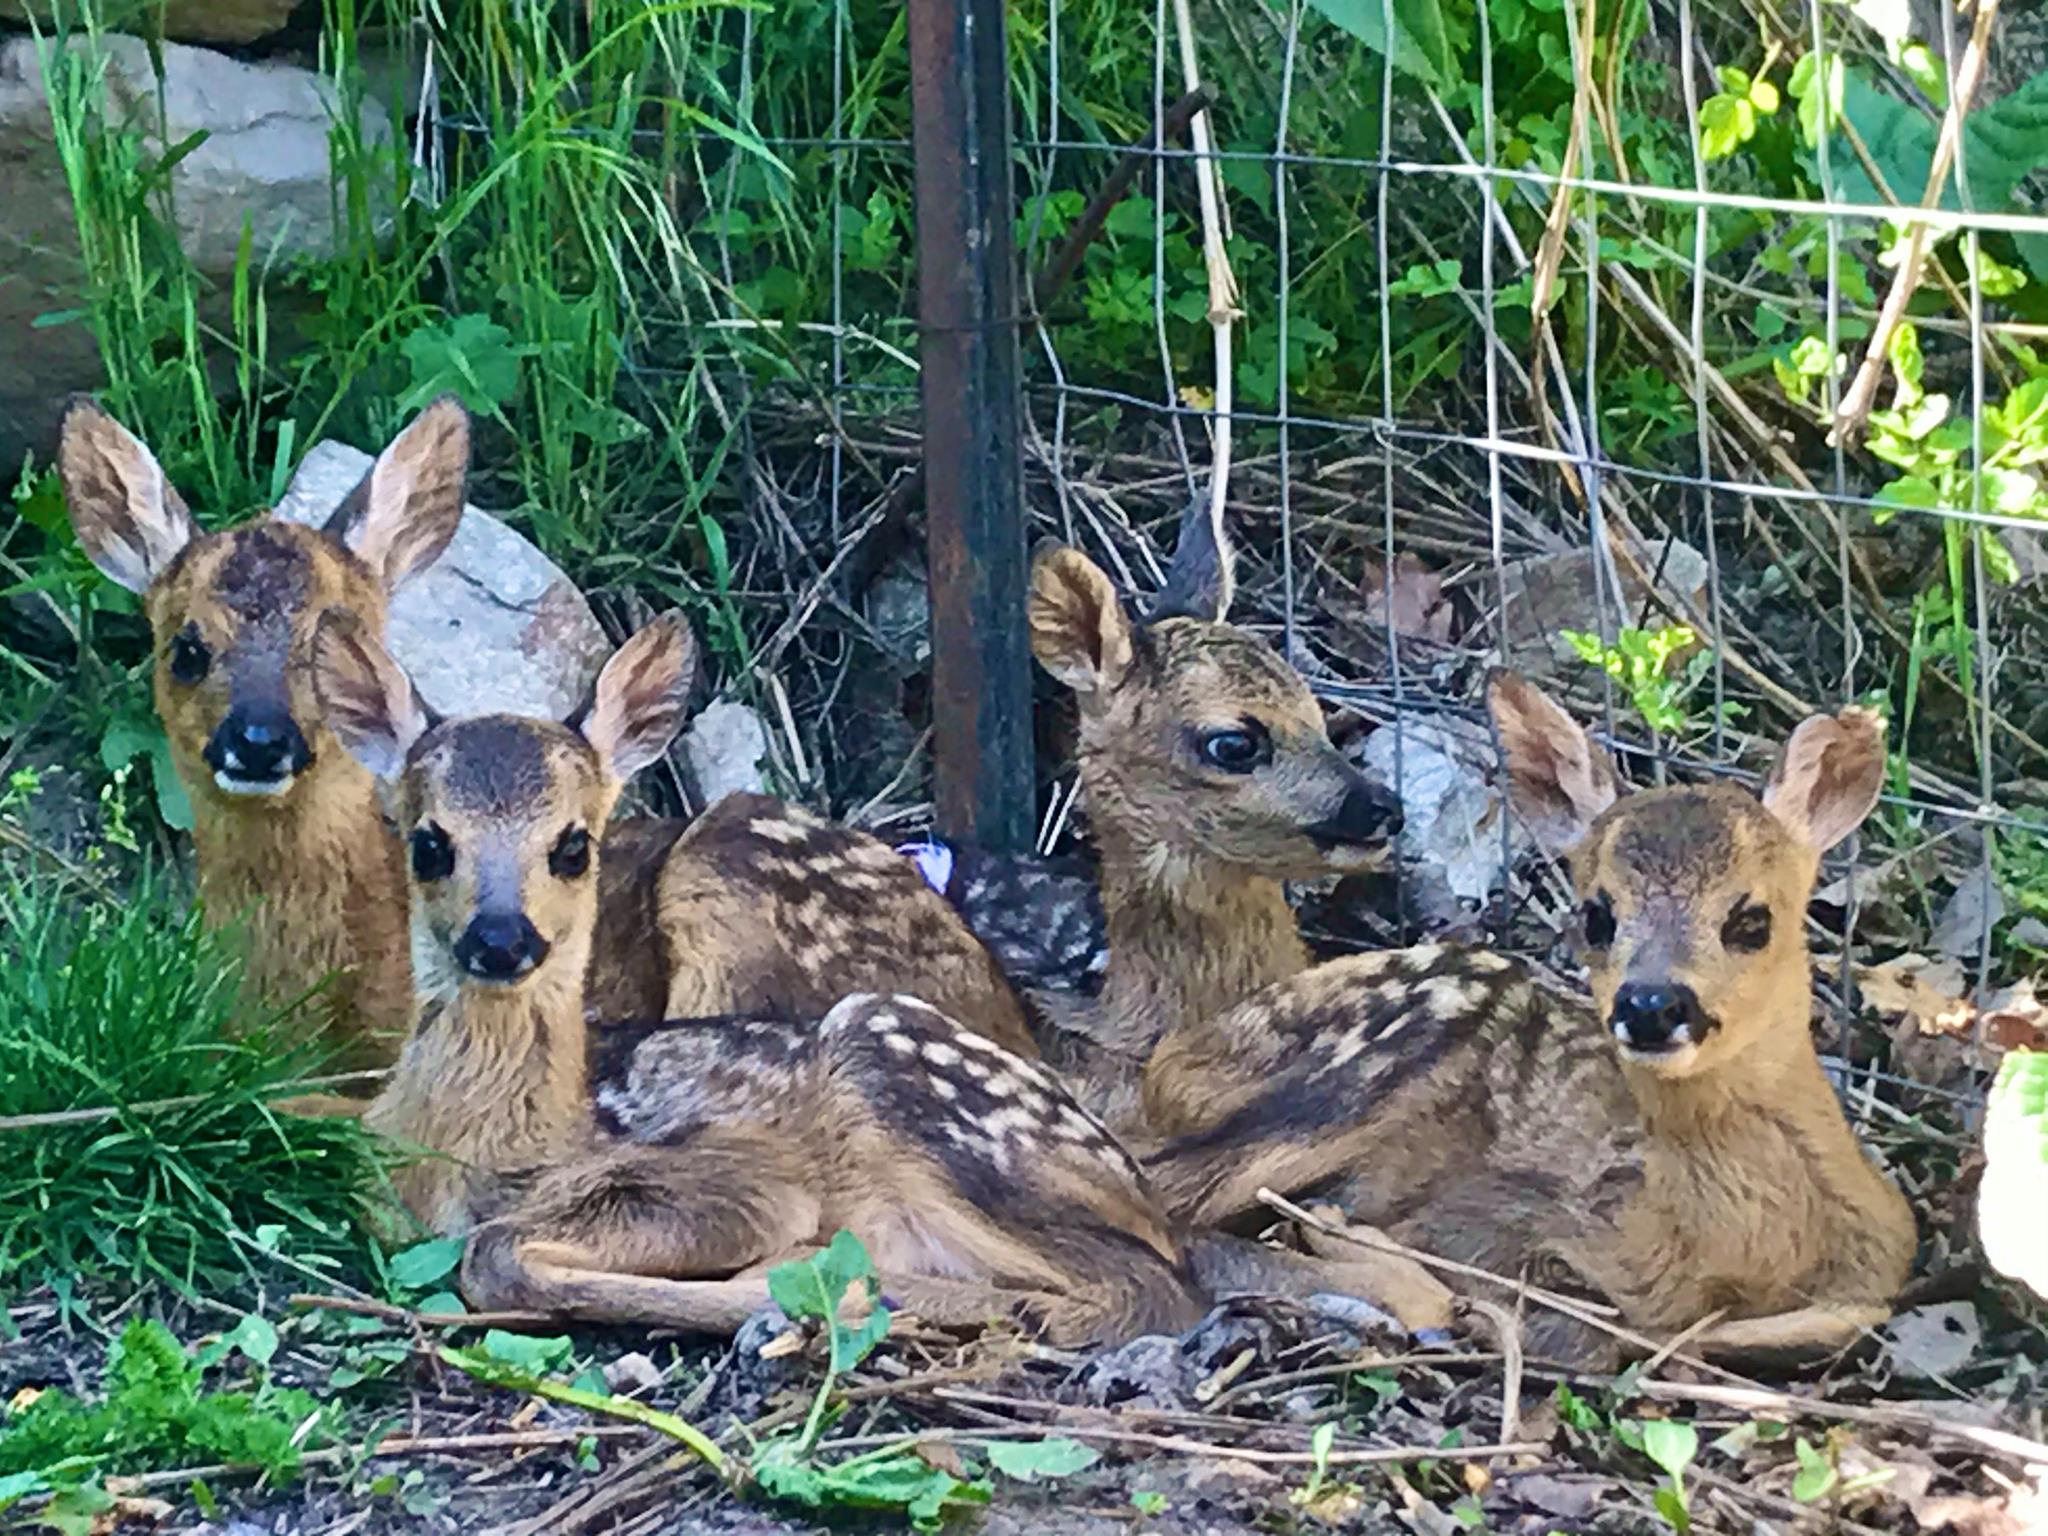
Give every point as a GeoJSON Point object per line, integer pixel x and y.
{"type": "Point", "coordinates": [149, 1155]}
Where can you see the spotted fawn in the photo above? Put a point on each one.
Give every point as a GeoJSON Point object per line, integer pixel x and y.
{"type": "Point", "coordinates": [1674, 1143]}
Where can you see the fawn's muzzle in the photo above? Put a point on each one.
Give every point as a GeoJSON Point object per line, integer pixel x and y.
{"type": "Point", "coordinates": [257, 750]}
{"type": "Point", "coordinates": [1656, 1017]}
{"type": "Point", "coordinates": [1368, 816]}
{"type": "Point", "coordinates": [500, 946]}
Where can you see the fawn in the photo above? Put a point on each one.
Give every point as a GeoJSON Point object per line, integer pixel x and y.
{"type": "Point", "coordinates": [286, 828]}
{"type": "Point", "coordinates": [1209, 778]}
{"type": "Point", "coordinates": [757, 907]}
{"type": "Point", "coordinates": [1676, 1144]}
{"type": "Point", "coordinates": [653, 1173]}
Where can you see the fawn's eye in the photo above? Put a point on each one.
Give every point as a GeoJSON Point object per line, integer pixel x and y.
{"type": "Point", "coordinates": [1748, 927]}
{"type": "Point", "coordinates": [433, 856]}
{"type": "Point", "coordinates": [569, 859]}
{"type": "Point", "coordinates": [1599, 916]}
{"type": "Point", "coordinates": [1239, 750]}
{"type": "Point", "coordinates": [189, 656]}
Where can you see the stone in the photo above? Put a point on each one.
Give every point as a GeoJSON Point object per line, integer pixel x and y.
{"type": "Point", "coordinates": [723, 750]}
{"type": "Point", "coordinates": [265, 158]}
{"type": "Point", "coordinates": [1547, 594]}
{"type": "Point", "coordinates": [183, 21]}
{"type": "Point", "coordinates": [1451, 816]}
{"type": "Point", "coordinates": [492, 626]}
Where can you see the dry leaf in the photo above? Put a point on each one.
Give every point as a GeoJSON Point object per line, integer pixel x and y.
{"type": "Point", "coordinates": [943, 1455]}
{"type": "Point", "coordinates": [1929, 992]}
{"type": "Point", "coordinates": [127, 1513]}
{"type": "Point", "coordinates": [1421, 609]}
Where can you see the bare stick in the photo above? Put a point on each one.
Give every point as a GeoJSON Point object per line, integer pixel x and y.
{"type": "Point", "coordinates": [1862, 392]}
{"type": "Point", "coordinates": [1223, 310]}
{"type": "Point", "coordinates": [412, 1319]}
{"type": "Point", "coordinates": [1901, 1416]}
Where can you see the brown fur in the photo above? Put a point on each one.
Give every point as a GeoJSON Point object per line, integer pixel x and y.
{"type": "Point", "coordinates": [1192, 855]}
{"type": "Point", "coordinates": [765, 908]}
{"type": "Point", "coordinates": [653, 1173]}
{"type": "Point", "coordinates": [1475, 1111]}
{"type": "Point", "coordinates": [309, 865]}
{"type": "Point", "coordinates": [758, 907]}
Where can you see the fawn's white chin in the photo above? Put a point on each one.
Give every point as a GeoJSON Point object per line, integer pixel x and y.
{"type": "Point", "coordinates": [253, 789]}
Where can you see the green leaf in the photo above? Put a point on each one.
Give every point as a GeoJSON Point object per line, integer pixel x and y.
{"type": "Point", "coordinates": [1422, 46]}
{"type": "Point", "coordinates": [1819, 94]}
{"type": "Point", "coordinates": [255, 1337]}
{"type": "Point", "coordinates": [1672, 1508]}
{"type": "Point", "coordinates": [525, 1352]}
{"type": "Point", "coordinates": [421, 1265]}
{"type": "Point", "coordinates": [1816, 1473]}
{"type": "Point", "coordinates": [1726, 124]}
{"type": "Point", "coordinates": [1764, 97]}
{"type": "Point", "coordinates": [1998, 561]}
{"type": "Point", "coordinates": [2014, 1190]}
{"type": "Point", "coordinates": [1030, 1460]}
{"type": "Point", "coordinates": [816, 1286]}
{"type": "Point", "coordinates": [1670, 1444]}
{"type": "Point", "coordinates": [1907, 361]}
{"type": "Point", "coordinates": [471, 356]}
{"type": "Point", "coordinates": [16, 1486]}
{"type": "Point", "coordinates": [2004, 142]}
{"type": "Point", "coordinates": [1147, 1501]}
{"type": "Point", "coordinates": [77, 1511]}
{"type": "Point", "coordinates": [1912, 492]}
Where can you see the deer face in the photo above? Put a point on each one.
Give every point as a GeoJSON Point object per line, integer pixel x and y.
{"type": "Point", "coordinates": [1692, 900]}
{"type": "Point", "coordinates": [233, 614]}
{"type": "Point", "coordinates": [1197, 738]}
{"type": "Point", "coordinates": [502, 815]}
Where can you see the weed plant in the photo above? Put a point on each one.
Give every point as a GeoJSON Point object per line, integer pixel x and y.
{"type": "Point", "coordinates": [136, 1139]}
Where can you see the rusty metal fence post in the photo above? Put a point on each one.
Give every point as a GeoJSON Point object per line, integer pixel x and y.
{"type": "Point", "coordinates": [974, 494]}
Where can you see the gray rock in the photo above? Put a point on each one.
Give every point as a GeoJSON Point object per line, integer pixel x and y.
{"type": "Point", "coordinates": [723, 751]}
{"type": "Point", "coordinates": [493, 625]}
{"type": "Point", "coordinates": [265, 158]}
{"type": "Point", "coordinates": [184, 21]}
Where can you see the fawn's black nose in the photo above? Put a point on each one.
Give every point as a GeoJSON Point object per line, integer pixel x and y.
{"type": "Point", "coordinates": [1657, 1016]}
{"type": "Point", "coordinates": [500, 946]}
{"type": "Point", "coordinates": [1369, 814]}
{"type": "Point", "coordinates": [257, 746]}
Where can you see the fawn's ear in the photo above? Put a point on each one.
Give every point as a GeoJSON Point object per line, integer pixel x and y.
{"type": "Point", "coordinates": [1828, 777]}
{"type": "Point", "coordinates": [642, 695]}
{"type": "Point", "coordinates": [1558, 781]}
{"type": "Point", "coordinates": [406, 509]}
{"type": "Point", "coordinates": [365, 697]}
{"type": "Point", "coordinates": [1203, 576]}
{"type": "Point", "coordinates": [129, 520]}
{"type": "Point", "coordinates": [1079, 630]}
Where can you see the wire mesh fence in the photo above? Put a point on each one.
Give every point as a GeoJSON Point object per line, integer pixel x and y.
{"type": "Point", "coordinates": [1594, 341]}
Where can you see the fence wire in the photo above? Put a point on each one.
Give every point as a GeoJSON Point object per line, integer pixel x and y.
{"type": "Point", "coordinates": [1598, 441]}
